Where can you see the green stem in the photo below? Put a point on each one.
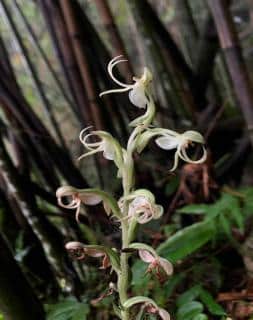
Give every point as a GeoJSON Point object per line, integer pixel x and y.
{"type": "Point", "coordinates": [128, 230]}
{"type": "Point", "coordinates": [123, 277]}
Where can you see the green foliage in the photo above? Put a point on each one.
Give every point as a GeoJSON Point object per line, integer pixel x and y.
{"type": "Point", "coordinates": [195, 302]}
{"type": "Point", "coordinates": [218, 220]}
{"type": "Point", "coordinates": [69, 309]}
{"type": "Point", "coordinates": [187, 241]}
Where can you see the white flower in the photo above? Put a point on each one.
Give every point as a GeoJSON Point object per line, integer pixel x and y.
{"type": "Point", "coordinates": [137, 90]}
{"type": "Point", "coordinates": [107, 144]}
{"type": "Point", "coordinates": [154, 309]}
{"type": "Point", "coordinates": [79, 251]}
{"type": "Point", "coordinates": [143, 210]}
{"type": "Point", "coordinates": [180, 142]}
{"type": "Point", "coordinates": [148, 305]}
{"type": "Point", "coordinates": [77, 198]}
{"type": "Point", "coordinates": [156, 263]}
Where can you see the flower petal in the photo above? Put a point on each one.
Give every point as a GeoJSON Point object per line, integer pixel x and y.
{"type": "Point", "coordinates": [167, 142]}
{"type": "Point", "coordinates": [107, 207]}
{"type": "Point", "coordinates": [163, 314]}
{"type": "Point", "coordinates": [90, 199]}
{"type": "Point", "coordinates": [158, 212]}
{"type": "Point", "coordinates": [137, 96]}
{"type": "Point", "coordinates": [146, 256]}
{"type": "Point", "coordinates": [109, 152]}
{"type": "Point", "coordinates": [166, 265]}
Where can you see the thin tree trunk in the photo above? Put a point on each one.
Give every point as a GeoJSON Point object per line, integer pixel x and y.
{"type": "Point", "coordinates": [232, 52]}
{"type": "Point", "coordinates": [17, 299]}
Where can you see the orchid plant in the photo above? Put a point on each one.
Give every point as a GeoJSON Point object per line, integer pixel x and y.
{"type": "Point", "coordinates": [135, 206]}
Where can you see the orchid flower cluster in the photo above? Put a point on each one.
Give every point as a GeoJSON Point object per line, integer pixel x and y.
{"type": "Point", "coordinates": [135, 207]}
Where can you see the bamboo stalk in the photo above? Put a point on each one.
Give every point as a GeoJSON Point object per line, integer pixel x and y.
{"type": "Point", "coordinates": [207, 48]}
{"type": "Point", "coordinates": [32, 71]}
{"type": "Point", "coordinates": [46, 60]}
{"type": "Point", "coordinates": [75, 37]}
{"type": "Point", "coordinates": [116, 40]}
{"type": "Point", "coordinates": [188, 29]}
{"type": "Point", "coordinates": [60, 39]}
{"type": "Point", "coordinates": [175, 68]}
{"type": "Point", "coordinates": [232, 52]}
{"type": "Point", "coordinates": [40, 143]}
{"type": "Point", "coordinates": [51, 240]}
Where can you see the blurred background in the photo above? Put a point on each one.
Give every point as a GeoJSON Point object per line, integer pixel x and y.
{"type": "Point", "coordinates": [53, 59]}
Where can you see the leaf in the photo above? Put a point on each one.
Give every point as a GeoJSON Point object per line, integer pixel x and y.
{"type": "Point", "coordinates": [194, 209]}
{"type": "Point", "coordinates": [248, 201]}
{"type": "Point", "coordinates": [188, 295]}
{"type": "Point", "coordinates": [172, 283]}
{"type": "Point", "coordinates": [226, 226]}
{"type": "Point", "coordinates": [82, 312]}
{"type": "Point", "coordinates": [200, 316]}
{"type": "Point", "coordinates": [209, 302]}
{"type": "Point", "coordinates": [236, 212]}
{"type": "Point", "coordinates": [62, 310]}
{"type": "Point", "coordinates": [187, 241]}
{"type": "Point", "coordinates": [172, 186]}
{"type": "Point", "coordinates": [189, 310]}
{"type": "Point", "coordinates": [69, 310]}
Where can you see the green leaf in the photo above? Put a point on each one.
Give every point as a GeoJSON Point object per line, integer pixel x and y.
{"type": "Point", "coordinates": [248, 201]}
{"type": "Point", "coordinates": [188, 295]}
{"type": "Point", "coordinates": [62, 310]}
{"type": "Point", "coordinates": [209, 302]}
{"type": "Point", "coordinates": [200, 316]}
{"type": "Point", "coordinates": [226, 226]}
{"type": "Point", "coordinates": [81, 313]}
{"type": "Point", "coordinates": [172, 186]}
{"type": "Point", "coordinates": [69, 310]}
{"type": "Point", "coordinates": [236, 213]}
{"type": "Point", "coordinates": [187, 241]}
{"type": "Point", "coordinates": [189, 310]}
{"type": "Point", "coordinates": [194, 209]}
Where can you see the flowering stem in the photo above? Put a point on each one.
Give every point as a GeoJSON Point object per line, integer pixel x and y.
{"type": "Point", "coordinates": [123, 276]}
{"type": "Point", "coordinates": [128, 172]}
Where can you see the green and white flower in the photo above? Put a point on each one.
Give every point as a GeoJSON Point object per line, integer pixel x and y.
{"type": "Point", "coordinates": [149, 305]}
{"type": "Point", "coordinates": [107, 144]}
{"type": "Point", "coordinates": [137, 90]}
{"type": "Point", "coordinates": [169, 140]}
{"type": "Point", "coordinates": [156, 263]}
{"type": "Point", "coordinates": [142, 206]}
{"type": "Point", "coordinates": [109, 257]}
{"type": "Point", "coordinates": [90, 197]}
